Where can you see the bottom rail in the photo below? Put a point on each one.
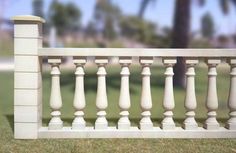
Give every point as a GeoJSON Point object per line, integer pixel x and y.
{"type": "Point", "coordinates": [134, 132]}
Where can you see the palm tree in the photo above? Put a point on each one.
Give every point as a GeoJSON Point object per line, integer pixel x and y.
{"type": "Point", "coordinates": [38, 7]}
{"type": "Point", "coordinates": [180, 37]}
{"type": "Point", "coordinates": [181, 30]}
{"type": "Point", "coordinates": [143, 7]}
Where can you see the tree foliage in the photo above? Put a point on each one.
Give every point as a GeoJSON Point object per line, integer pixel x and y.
{"type": "Point", "coordinates": [143, 6]}
{"type": "Point", "coordinates": [91, 29]}
{"type": "Point", "coordinates": [207, 26]}
{"type": "Point", "coordinates": [164, 39]}
{"type": "Point", "coordinates": [37, 6]}
{"type": "Point", "coordinates": [65, 17]}
{"type": "Point", "coordinates": [106, 17]}
{"type": "Point", "coordinates": [138, 29]}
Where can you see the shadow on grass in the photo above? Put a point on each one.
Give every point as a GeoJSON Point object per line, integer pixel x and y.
{"type": "Point", "coordinates": [10, 119]}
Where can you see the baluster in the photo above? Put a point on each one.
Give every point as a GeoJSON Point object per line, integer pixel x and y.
{"type": "Point", "coordinates": [231, 123]}
{"type": "Point", "coordinates": [190, 97]}
{"type": "Point", "coordinates": [124, 100]}
{"type": "Point", "coordinates": [101, 99]}
{"type": "Point", "coordinates": [168, 101]}
{"type": "Point", "coordinates": [55, 98]}
{"type": "Point", "coordinates": [79, 97]}
{"type": "Point", "coordinates": [146, 98]}
{"type": "Point", "coordinates": [212, 99]}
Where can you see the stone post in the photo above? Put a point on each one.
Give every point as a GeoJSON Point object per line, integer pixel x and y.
{"type": "Point", "coordinates": [27, 76]}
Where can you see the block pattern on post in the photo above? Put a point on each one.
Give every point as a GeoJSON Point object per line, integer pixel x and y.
{"type": "Point", "coordinates": [27, 76]}
{"type": "Point", "coordinates": [27, 46]}
{"type": "Point", "coordinates": [27, 29]}
{"type": "Point", "coordinates": [22, 64]}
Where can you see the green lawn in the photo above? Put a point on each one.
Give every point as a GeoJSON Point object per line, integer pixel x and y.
{"type": "Point", "coordinates": [8, 144]}
{"type": "Point", "coordinates": [6, 47]}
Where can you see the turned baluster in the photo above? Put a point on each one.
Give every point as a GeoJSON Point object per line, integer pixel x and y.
{"type": "Point", "coordinates": [79, 97]}
{"type": "Point", "coordinates": [146, 98]}
{"type": "Point", "coordinates": [124, 100]}
{"type": "Point", "coordinates": [55, 98]}
{"type": "Point", "coordinates": [101, 98]}
{"type": "Point", "coordinates": [168, 101]}
{"type": "Point", "coordinates": [190, 97]}
{"type": "Point", "coordinates": [231, 123]}
{"type": "Point", "coordinates": [212, 100]}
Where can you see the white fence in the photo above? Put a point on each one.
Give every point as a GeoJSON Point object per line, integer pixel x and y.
{"type": "Point", "coordinates": [28, 90]}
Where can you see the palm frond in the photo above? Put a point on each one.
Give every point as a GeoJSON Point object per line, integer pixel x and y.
{"type": "Point", "coordinates": [201, 2]}
{"type": "Point", "coordinates": [224, 4]}
{"type": "Point", "coordinates": [234, 2]}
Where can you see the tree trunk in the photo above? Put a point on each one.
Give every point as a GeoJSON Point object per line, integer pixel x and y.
{"type": "Point", "coordinates": [180, 37]}
{"type": "Point", "coordinates": [143, 7]}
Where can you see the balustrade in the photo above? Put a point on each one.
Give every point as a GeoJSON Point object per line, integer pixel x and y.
{"type": "Point", "coordinates": [28, 94]}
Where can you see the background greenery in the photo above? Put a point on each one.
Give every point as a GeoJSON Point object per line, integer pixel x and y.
{"type": "Point", "coordinates": [9, 144]}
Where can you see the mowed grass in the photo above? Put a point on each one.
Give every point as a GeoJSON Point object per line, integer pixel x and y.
{"type": "Point", "coordinates": [9, 144]}
{"type": "Point", "coordinates": [6, 47]}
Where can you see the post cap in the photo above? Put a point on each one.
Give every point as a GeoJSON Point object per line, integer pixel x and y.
{"type": "Point", "coordinates": [28, 18]}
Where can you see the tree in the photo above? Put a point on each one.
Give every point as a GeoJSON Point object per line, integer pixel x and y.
{"type": "Point", "coordinates": [65, 17]}
{"type": "Point", "coordinates": [207, 26]}
{"type": "Point", "coordinates": [109, 30]}
{"type": "Point", "coordinates": [234, 38]}
{"type": "Point", "coordinates": [73, 17]}
{"type": "Point", "coordinates": [164, 39]}
{"type": "Point", "coordinates": [138, 29]}
{"type": "Point", "coordinates": [106, 17]}
{"type": "Point", "coordinates": [180, 37]}
{"type": "Point", "coordinates": [38, 8]}
{"type": "Point", "coordinates": [143, 7]}
{"type": "Point", "coordinates": [91, 29]}
{"type": "Point", "coordinates": [181, 30]}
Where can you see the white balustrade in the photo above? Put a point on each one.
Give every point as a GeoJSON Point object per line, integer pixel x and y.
{"type": "Point", "coordinates": [55, 97]}
{"type": "Point", "coordinates": [79, 97]}
{"type": "Point", "coordinates": [28, 90]}
{"type": "Point", "coordinates": [231, 123]}
{"type": "Point", "coordinates": [124, 99]}
{"type": "Point", "coordinates": [101, 99]}
{"type": "Point", "coordinates": [190, 97]}
{"type": "Point", "coordinates": [146, 98]}
{"type": "Point", "coordinates": [168, 101]}
{"type": "Point", "coordinates": [212, 99]}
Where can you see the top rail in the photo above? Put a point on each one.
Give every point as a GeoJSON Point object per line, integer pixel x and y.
{"type": "Point", "coordinates": [145, 52]}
